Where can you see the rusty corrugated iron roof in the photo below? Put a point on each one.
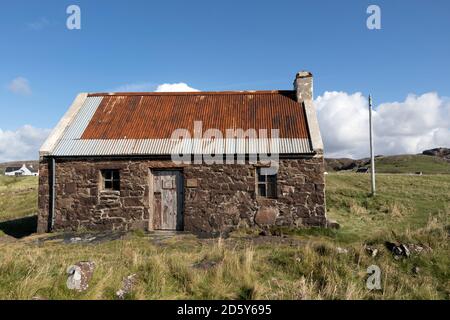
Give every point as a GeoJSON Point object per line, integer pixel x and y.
{"type": "Point", "coordinates": [142, 123]}
{"type": "Point", "coordinates": [157, 115]}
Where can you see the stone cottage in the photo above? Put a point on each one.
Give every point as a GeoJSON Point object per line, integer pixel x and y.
{"type": "Point", "coordinates": [185, 161]}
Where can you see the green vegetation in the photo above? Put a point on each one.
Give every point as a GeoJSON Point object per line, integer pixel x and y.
{"type": "Point", "coordinates": [402, 203]}
{"type": "Point", "coordinates": [18, 197]}
{"type": "Point", "coordinates": [412, 164]}
{"type": "Point", "coordinates": [307, 264]}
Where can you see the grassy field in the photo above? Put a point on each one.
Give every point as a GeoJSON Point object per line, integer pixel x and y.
{"type": "Point", "coordinates": [305, 264]}
{"type": "Point", "coordinates": [407, 164]}
{"type": "Point", "coordinates": [412, 164]}
{"type": "Point", "coordinates": [18, 197]}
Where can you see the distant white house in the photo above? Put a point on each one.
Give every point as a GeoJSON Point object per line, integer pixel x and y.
{"type": "Point", "coordinates": [21, 171]}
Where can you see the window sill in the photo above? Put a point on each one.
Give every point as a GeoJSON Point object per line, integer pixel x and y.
{"type": "Point", "coordinates": [112, 192]}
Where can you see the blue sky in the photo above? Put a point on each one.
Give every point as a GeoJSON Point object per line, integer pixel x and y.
{"type": "Point", "coordinates": [216, 45]}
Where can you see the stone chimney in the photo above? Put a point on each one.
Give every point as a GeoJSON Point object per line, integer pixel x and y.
{"type": "Point", "coordinates": [303, 86]}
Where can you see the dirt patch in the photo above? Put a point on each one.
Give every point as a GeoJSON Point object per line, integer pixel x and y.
{"type": "Point", "coordinates": [4, 238]}
{"type": "Point", "coordinates": [161, 239]}
{"type": "Point", "coordinates": [82, 238]}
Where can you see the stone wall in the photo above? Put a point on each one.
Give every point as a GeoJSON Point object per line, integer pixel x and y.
{"type": "Point", "coordinates": [217, 198]}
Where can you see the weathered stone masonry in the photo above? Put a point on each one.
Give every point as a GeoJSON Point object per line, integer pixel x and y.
{"type": "Point", "coordinates": [221, 199]}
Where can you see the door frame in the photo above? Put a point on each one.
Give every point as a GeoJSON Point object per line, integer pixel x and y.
{"type": "Point", "coordinates": [180, 198]}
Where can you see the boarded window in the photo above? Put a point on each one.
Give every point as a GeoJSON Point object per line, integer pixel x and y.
{"type": "Point", "coordinates": [266, 184]}
{"type": "Point", "coordinates": [111, 179]}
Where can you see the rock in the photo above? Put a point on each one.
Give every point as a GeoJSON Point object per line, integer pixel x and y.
{"type": "Point", "coordinates": [415, 248]}
{"type": "Point", "coordinates": [332, 224]}
{"type": "Point", "coordinates": [285, 190]}
{"type": "Point", "coordinates": [341, 250]}
{"type": "Point", "coordinates": [205, 265]}
{"type": "Point", "coordinates": [398, 250]}
{"type": "Point", "coordinates": [75, 239]}
{"type": "Point", "coordinates": [127, 286]}
{"type": "Point", "coordinates": [372, 251]}
{"type": "Point", "coordinates": [79, 275]}
{"type": "Point", "coordinates": [415, 270]}
{"type": "Point", "coordinates": [266, 216]}
{"type": "Point", "coordinates": [85, 238]}
{"type": "Point", "coordinates": [405, 250]}
{"type": "Point", "coordinates": [438, 152]}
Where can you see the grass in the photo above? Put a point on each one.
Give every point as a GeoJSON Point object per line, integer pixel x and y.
{"type": "Point", "coordinates": [18, 197]}
{"type": "Point", "coordinates": [402, 203]}
{"type": "Point", "coordinates": [412, 164]}
{"type": "Point", "coordinates": [407, 209]}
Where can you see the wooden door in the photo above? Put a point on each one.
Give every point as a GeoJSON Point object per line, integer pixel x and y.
{"type": "Point", "coordinates": [167, 200]}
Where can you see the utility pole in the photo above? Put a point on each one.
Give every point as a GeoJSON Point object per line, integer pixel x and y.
{"type": "Point", "coordinates": [372, 156]}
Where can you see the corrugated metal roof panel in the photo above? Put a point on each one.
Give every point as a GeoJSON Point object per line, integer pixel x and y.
{"type": "Point", "coordinates": [102, 147]}
{"type": "Point", "coordinates": [82, 119]}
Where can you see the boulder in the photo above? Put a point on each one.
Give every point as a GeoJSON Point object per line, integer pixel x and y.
{"type": "Point", "coordinates": [266, 216]}
{"type": "Point", "coordinates": [79, 275]}
{"type": "Point", "coordinates": [371, 251]}
{"type": "Point", "coordinates": [332, 224]}
{"type": "Point", "coordinates": [127, 286]}
{"type": "Point", "coordinates": [398, 250]}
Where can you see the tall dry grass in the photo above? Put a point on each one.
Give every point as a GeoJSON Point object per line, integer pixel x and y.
{"type": "Point", "coordinates": [187, 268]}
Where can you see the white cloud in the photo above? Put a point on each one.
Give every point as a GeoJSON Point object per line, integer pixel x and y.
{"type": "Point", "coordinates": [148, 86]}
{"type": "Point", "coordinates": [39, 24]}
{"type": "Point", "coordinates": [135, 87]}
{"type": "Point", "coordinates": [20, 85]}
{"type": "Point", "coordinates": [21, 144]}
{"type": "Point", "coordinates": [175, 87]}
{"type": "Point", "coordinates": [418, 123]}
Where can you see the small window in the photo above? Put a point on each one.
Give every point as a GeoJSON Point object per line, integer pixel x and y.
{"type": "Point", "coordinates": [111, 180]}
{"type": "Point", "coordinates": [266, 184]}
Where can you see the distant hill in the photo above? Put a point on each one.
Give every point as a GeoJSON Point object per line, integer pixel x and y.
{"type": "Point", "coordinates": [412, 164]}
{"type": "Point", "coordinates": [433, 161]}
{"type": "Point", "coordinates": [443, 153]}
{"type": "Point", "coordinates": [3, 165]}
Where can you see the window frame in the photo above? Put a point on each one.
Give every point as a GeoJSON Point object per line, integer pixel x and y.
{"type": "Point", "coordinates": [113, 180]}
{"type": "Point", "coordinates": [269, 183]}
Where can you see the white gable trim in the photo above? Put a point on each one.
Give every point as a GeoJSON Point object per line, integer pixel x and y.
{"type": "Point", "coordinates": [313, 126]}
{"type": "Point", "coordinates": [58, 131]}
